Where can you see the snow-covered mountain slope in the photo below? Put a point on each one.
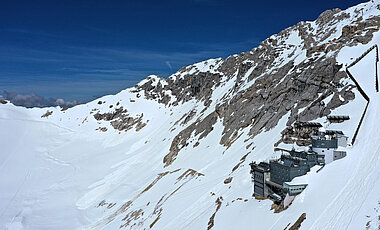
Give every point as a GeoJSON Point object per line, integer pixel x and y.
{"type": "Point", "coordinates": [173, 153]}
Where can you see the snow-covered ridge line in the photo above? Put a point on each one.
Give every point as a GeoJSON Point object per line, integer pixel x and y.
{"type": "Point", "coordinates": [209, 121]}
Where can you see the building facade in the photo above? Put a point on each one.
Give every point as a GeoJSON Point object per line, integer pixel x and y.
{"type": "Point", "coordinates": [287, 168]}
{"type": "Point", "coordinates": [260, 174]}
{"type": "Point", "coordinates": [327, 143]}
{"type": "Point", "coordinates": [339, 154]}
{"type": "Point", "coordinates": [311, 157]}
{"type": "Point", "coordinates": [293, 189]}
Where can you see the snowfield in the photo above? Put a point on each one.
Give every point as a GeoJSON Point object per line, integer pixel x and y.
{"type": "Point", "coordinates": [67, 170]}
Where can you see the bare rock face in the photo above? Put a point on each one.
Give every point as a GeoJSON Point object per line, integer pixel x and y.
{"type": "Point", "coordinates": [282, 85]}
{"type": "Point", "coordinates": [201, 128]}
{"type": "Point", "coordinates": [198, 86]}
{"type": "Point", "coordinates": [120, 120]}
{"type": "Point", "coordinates": [291, 73]}
{"type": "Point", "coordinates": [47, 114]}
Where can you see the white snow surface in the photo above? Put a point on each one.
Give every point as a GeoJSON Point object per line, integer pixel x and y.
{"type": "Point", "coordinates": [61, 172]}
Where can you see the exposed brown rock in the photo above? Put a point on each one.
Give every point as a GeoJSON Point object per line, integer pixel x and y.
{"type": "Point", "coordinates": [189, 173]}
{"type": "Point", "coordinates": [281, 86]}
{"type": "Point", "coordinates": [297, 224]}
{"type": "Point", "coordinates": [218, 203]}
{"type": "Point", "coordinates": [47, 114]}
{"type": "Point", "coordinates": [121, 120]}
{"type": "Point", "coordinates": [228, 180]}
{"type": "Point", "coordinates": [240, 162]}
{"type": "Point", "coordinates": [203, 128]}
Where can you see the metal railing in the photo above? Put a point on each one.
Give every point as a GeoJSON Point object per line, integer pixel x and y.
{"type": "Point", "coordinates": [360, 89]}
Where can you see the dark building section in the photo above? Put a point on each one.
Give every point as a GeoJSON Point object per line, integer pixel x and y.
{"type": "Point", "coordinates": [330, 143]}
{"type": "Point", "coordinates": [320, 143]}
{"type": "Point", "coordinates": [274, 179]}
{"type": "Point", "coordinates": [311, 157]}
{"type": "Point", "coordinates": [260, 173]}
{"type": "Point", "coordinates": [287, 168]}
{"type": "Point", "coordinates": [269, 177]}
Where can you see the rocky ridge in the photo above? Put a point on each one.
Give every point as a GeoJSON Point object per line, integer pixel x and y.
{"type": "Point", "coordinates": [173, 153]}
{"type": "Point", "coordinates": [290, 72]}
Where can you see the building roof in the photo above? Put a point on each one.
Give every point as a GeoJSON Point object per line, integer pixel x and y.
{"type": "Point", "coordinates": [308, 124]}
{"type": "Point", "coordinates": [332, 132]}
{"type": "Point", "coordinates": [262, 166]}
{"type": "Point", "coordinates": [338, 117]}
{"type": "Point", "coordinates": [295, 183]}
{"type": "Point", "coordinates": [297, 161]}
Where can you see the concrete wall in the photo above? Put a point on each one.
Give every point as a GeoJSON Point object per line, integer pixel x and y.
{"type": "Point", "coordinates": [280, 173]}
{"type": "Point", "coordinates": [311, 158]}
{"type": "Point", "coordinates": [288, 200]}
{"type": "Point", "coordinates": [259, 184]}
{"type": "Point", "coordinates": [328, 153]}
{"type": "Point", "coordinates": [258, 191]}
{"type": "Point", "coordinates": [342, 141]}
{"type": "Point", "coordinates": [294, 189]}
{"type": "Point", "coordinates": [324, 143]}
{"type": "Point", "coordinates": [339, 155]}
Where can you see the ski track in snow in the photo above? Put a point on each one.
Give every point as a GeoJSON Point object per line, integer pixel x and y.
{"type": "Point", "coordinates": [356, 190]}
{"type": "Point", "coordinates": [41, 122]}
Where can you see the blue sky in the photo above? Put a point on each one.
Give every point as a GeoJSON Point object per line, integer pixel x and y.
{"type": "Point", "coordinates": [79, 50]}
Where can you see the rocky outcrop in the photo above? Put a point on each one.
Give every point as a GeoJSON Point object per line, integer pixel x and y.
{"type": "Point", "coordinates": [201, 128]}
{"type": "Point", "coordinates": [47, 114]}
{"type": "Point", "coordinates": [197, 86]}
{"type": "Point", "coordinates": [121, 120]}
{"type": "Point", "coordinates": [297, 84]}
{"type": "Point", "coordinates": [291, 73]}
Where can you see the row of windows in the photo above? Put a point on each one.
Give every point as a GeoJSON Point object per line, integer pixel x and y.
{"type": "Point", "coordinates": [339, 155]}
{"type": "Point", "coordinates": [259, 176]}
